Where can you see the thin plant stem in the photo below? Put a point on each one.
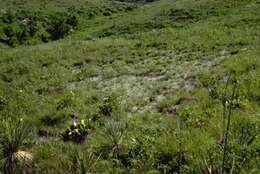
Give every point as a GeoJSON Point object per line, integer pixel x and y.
{"type": "Point", "coordinates": [230, 108]}
{"type": "Point", "coordinates": [224, 99]}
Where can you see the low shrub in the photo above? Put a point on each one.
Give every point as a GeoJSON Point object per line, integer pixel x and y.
{"type": "Point", "coordinates": [61, 24]}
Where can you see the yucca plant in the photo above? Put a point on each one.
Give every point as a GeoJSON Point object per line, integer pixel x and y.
{"type": "Point", "coordinates": [114, 132]}
{"type": "Point", "coordinates": [83, 163]}
{"type": "Point", "coordinates": [15, 137]}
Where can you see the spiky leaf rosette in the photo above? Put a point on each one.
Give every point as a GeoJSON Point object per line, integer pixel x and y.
{"type": "Point", "coordinates": [15, 137]}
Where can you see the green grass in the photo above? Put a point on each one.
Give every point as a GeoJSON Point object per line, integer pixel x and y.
{"type": "Point", "coordinates": [150, 80]}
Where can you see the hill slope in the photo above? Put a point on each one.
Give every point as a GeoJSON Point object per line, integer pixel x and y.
{"type": "Point", "coordinates": [162, 87]}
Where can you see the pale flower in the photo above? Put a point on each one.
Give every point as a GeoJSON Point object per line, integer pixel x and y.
{"type": "Point", "coordinates": [83, 122]}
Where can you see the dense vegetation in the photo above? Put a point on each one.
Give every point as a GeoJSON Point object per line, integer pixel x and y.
{"type": "Point", "coordinates": [126, 87]}
{"type": "Point", "coordinates": [30, 26]}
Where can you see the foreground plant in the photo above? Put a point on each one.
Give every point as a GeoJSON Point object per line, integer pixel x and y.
{"type": "Point", "coordinates": [15, 137]}
{"type": "Point", "coordinates": [83, 163]}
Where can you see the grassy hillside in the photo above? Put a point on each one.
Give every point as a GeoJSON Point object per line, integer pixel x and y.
{"type": "Point", "coordinates": [162, 87]}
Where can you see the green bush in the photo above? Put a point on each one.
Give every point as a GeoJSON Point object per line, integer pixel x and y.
{"type": "Point", "coordinates": [30, 26]}
{"type": "Point", "coordinates": [61, 24]}
{"type": "Point", "coordinates": [24, 27]}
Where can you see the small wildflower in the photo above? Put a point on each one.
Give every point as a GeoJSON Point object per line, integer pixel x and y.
{"type": "Point", "coordinates": [134, 140]}
{"type": "Point", "coordinates": [72, 93]}
{"type": "Point", "coordinates": [83, 122]}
